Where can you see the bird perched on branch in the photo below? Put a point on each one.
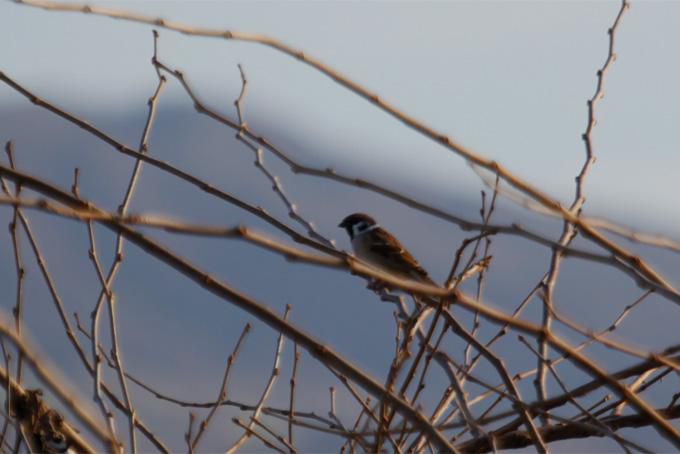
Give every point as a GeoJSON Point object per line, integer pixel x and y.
{"type": "Point", "coordinates": [378, 247]}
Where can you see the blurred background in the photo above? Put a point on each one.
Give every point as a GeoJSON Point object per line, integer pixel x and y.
{"type": "Point", "coordinates": [508, 79]}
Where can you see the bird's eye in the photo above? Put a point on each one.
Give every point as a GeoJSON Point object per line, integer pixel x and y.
{"type": "Point", "coordinates": [360, 226]}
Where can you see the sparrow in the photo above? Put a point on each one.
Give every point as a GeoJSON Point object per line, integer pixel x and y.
{"type": "Point", "coordinates": [376, 246]}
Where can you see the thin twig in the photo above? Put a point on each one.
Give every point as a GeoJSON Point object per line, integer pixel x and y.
{"type": "Point", "coordinates": [366, 408]}
{"type": "Point", "coordinates": [596, 422]}
{"type": "Point", "coordinates": [249, 431]}
{"type": "Point", "coordinates": [569, 228]}
{"type": "Point", "coordinates": [223, 392]}
{"type": "Point", "coordinates": [188, 404]}
{"type": "Point", "coordinates": [275, 181]}
{"type": "Point", "coordinates": [189, 434]}
{"type": "Point", "coordinates": [271, 432]}
{"type": "Point", "coordinates": [267, 390]}
{"type": "Point", "coordinates": [18, 261]}
{"type": "Point", "coordinates": [293, 383]}
{"type": "Point", "coordinates": [96, 357]}
{"type": "Point", "coordinates": [115, 265]}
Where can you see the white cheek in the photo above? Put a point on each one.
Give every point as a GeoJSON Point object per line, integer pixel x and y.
{"type": "Point", "coordinates": [360, 249]}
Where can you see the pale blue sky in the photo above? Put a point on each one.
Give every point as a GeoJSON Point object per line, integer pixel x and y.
{"type": "Point", "coordinates": [508, 79]}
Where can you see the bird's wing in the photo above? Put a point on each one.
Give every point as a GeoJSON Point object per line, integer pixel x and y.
{"type": "Point", "coordinates": [396, 255]}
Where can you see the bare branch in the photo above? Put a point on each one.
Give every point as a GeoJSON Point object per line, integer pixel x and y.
{"type": "Point", "coordinates": [265, 394]}
{"type": "Point", "coordinates": [203, 426]}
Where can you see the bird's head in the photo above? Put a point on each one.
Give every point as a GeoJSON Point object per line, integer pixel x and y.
{"type": "Point", "coordinates": [357, 223]}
